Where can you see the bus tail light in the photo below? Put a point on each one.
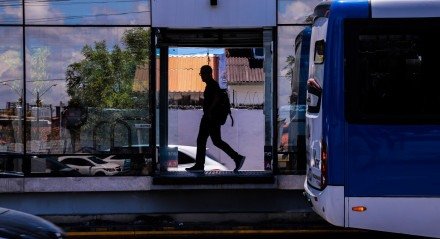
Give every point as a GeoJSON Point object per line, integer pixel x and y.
{"type": "Point", "coordinates": [324, 164]}
{"type": "Point", "coordinates": [359, 208]}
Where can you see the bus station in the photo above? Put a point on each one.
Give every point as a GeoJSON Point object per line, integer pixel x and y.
{"type": "Point", "coordinates": [87, 88]}
{"type": "Point", "coordinates": [102, 104]}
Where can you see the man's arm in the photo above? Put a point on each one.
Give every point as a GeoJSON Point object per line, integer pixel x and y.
{"type": "Point", "coordinates": [214, 104]}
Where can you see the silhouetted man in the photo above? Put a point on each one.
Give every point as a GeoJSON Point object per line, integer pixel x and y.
{"type": "Point", "coordinates": [210, 125]}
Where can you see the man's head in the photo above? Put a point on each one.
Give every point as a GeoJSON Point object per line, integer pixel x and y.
{"type": "Point", "coordinates": [205, 72]}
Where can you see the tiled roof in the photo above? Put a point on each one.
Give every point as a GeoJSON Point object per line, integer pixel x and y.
{"type": "Point", "coordinates": [239, 71]}
{"type": "Point", "coordinates": [183, 73]}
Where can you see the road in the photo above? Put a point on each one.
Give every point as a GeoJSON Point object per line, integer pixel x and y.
{"type": "Point", "coordinates": [297, 233]}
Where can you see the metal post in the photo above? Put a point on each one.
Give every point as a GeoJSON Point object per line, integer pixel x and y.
{"type": "Point", "coordinates": [61, 121]}
{"type": "Point", "coordinates": [163, 107]}
{"type": "Point", "coordinates": [268, 100]}
{"type": "Point", "coordinates": [38, 115]}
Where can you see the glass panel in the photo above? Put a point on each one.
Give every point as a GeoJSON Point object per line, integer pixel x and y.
{"type": "Point", "coordinates": [295, 11]}
{"type": "Point", "coordinates": [293, 54]}
{"type": "Point", "coordinates": [86, 12]}
{"type": "Point", "coordinates": [87, 93]}
{"type": "Point", "coordinates": [240, 72]}
{"type": "Point", "coordinates": [11, 85]}
{"type": "Point", "coordinates": [11, 12]}
{"type": "Point", "coordinates": [50, 166]}
{"type": "Point", "coordinates": [11, 165]}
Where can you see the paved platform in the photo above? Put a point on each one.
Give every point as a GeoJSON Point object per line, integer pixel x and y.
{"type": "Point", "coordinates": [214, 177]}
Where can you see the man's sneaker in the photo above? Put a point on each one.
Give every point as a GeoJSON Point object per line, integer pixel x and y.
{"type": "Point", "coordinates": [196, 169]}
{"type": "Point", "coordinates": [239, 163]}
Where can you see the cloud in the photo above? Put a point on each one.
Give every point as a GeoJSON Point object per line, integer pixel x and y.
{"type": "Point", "coordinates": [144, 17]}
{"type": "Point", "coordinates": [14, 11]}
{"type": "Point", "coordinates": [143, 6]}
{"type": "Point", "coordinates": [65, 44]}
{"type": "Point", "coordinates": [286, 45]}
{"type": "Point", "coordinates": [10, 65]}
{"type": "Point", "coordinates": [123, 13]}
{"type": "Point", "coordinates": [40, 13]}
{"type": "Point", "coordinates": [297, 11]}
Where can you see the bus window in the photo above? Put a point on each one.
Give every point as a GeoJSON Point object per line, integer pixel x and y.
{"type": "Point", "coordinates": [319, 52]}
{"type": "Point", "coordinates": [314, 96]}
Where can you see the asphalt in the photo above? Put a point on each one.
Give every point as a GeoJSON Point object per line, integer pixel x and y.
{"type": "Point", "coordinates": [170, 226]}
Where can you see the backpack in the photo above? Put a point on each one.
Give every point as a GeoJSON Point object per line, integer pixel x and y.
{"type": "Point", "coordinates": [224, 107]}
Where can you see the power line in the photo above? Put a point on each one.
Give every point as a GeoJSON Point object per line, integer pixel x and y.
{"type": "Point", "coordinates": [49, 19]}
{"type": "Point", "coordinates": [8, 3]}
{"type": "Point", "coordinates": [52, 19]}
{"type": "Point", "coordinates": [67, 2]}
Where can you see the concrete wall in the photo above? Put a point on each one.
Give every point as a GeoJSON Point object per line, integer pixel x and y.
{"type": "Point", "coordinates": [246, 94]}
{"type": "Point", "coordinates": [137, 195]}
{"type": "Point", "coordinates": [246, 136]}
{"type": "Point", "coordinates": [227, 13]}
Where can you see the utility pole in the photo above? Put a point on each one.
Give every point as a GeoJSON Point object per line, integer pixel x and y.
{"type": "Point", "coordinates": [39, 104]}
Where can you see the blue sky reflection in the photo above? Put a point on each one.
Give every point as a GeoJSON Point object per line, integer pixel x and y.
{"type": "Point", "coordinates": [83, 12]}
{"type": "Point", "coordinates": [11, 12]}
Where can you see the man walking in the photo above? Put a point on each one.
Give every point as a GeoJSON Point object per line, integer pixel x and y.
{"type": "Point", "coordinates": [210, 125]}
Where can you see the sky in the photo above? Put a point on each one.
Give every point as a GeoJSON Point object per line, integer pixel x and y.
{"type": "Point", "coordinates": [63, 44]}
{"type": "Point", "coordinates": [195, 51]}
{"type": "Point", "coordinates": [295, 11]}
{"type": "Point", "coordinates": [72, 12]}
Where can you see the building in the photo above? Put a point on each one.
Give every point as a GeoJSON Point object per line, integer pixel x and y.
{"type": "Point", "coordinates": [102, 57]}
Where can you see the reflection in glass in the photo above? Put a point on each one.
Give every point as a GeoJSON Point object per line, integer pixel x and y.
{"type": "Point", "coordinates": [11, 75]}
{"type": "Point", "coordinates": [86, 12]}
{"type": "Point", "coordinates": [11, 165]}
{"type": "Point", "coordinates": [292, 75]}
{"type": "Point", "coordinates": [50, 166]}
{"type": "Point", "coordinates": [87, 91]}
{"type": "Point", "coordinates": [11, 12]}
{"type": "Point", "coordinates": [295, 11]}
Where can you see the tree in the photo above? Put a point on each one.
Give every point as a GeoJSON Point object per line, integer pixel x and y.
{"type": "Point", "coordinates": [104, 78]}
{"type": "Point", "coordinates": [101, 87]}
{"type": "Point", "coordinates": [290, 61]}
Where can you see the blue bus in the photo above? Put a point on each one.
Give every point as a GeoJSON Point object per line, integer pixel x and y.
{"type": "Point", "coordinates": [373, 115]}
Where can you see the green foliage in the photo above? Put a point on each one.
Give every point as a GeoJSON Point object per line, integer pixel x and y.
{"type": "Point", "coordinates": [137, 41]}
{"type": "Point", "coordinates": [104, 78]}
{"type": "Point", "coordinates": [290, 61]}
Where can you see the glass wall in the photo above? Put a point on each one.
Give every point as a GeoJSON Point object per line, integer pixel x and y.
{"type": "Point", "coordinates": [11, 100]}
{"type": "Point", "coordinates": [83, 89]}
{"type": "Point", "coordinates": [293, 28]}
{"type": "Point", "coordinates": [86, 12]}
{"type": "Point", "coordinates": [11, 12]}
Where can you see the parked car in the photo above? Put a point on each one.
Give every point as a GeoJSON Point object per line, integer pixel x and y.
{"type": "Point", "coordinates": [16, 224]}
{"type": "Point", "coordinates": [187, 158]}
{"type": "Point", "coordinates": [90, 165]}
{"type": "Point", "coordinates": [11, 175]}
{"type": "Point", "coordinates": [122, 160]}
{"type": "Point", "coordinates": [51, 166]}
